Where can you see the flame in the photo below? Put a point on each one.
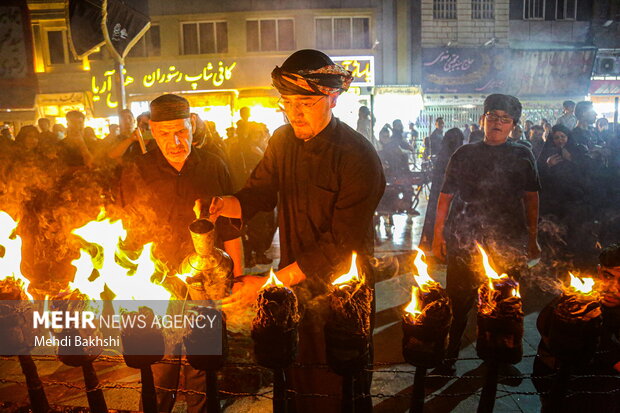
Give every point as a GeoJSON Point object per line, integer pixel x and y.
{"type": "Point", "coordinates": [351, 276]}
{"type": "Point", "coordinates": [415, 306]}
{"type": "Point", "coordinates": [423, 279]}
{"type": "Point", "coordinates": [581, 285]}
{"type": "Point", "coordinates": [489, 271]}
{"type": "Point", "coordinates": [10, 262]}
{"type": "Point", "coordinates": [106, 235]}
{"type": "Point", "coordinates": [272, 280]}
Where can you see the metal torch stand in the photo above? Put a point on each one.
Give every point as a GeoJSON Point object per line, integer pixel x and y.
{"type": "Point", "coordinates": [418, 394]}
{"type": "Point", "coordinates": [212, 390]}
{"type": "Point", "coordinates": [280, 401]}
{"type": "Point", "coordinates": [38, 400]}
{"type": "Point", "coordinates": [96, 401]}
{"type": "Point", "coordinates": [489, 390]}
{"type": "Point", "coordinates": [149, 396]}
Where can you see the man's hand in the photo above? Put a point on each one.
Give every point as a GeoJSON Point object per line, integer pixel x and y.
{"type": "Point", "coordinates": [226, 206]}
{"type": "Point", "coordinates": [439, 247]}
{"type": "Point", "coordinates": [245, 291]}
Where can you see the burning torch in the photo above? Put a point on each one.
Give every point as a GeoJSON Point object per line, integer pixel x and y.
{"type": "Point", "coordinates": [80, 356]}
{"type": "Point", "coordinates": [274, 331]}
{"type": "Point", "coordinates": [197, 340]}
{"type": "Point", "coordinates": [347, 330]}
{"type": "Point", "coordinates": [574, 331]}
{"type": "Point", "coordinates": [500, 328]}
{"type": "Point", "coordinates": [425, 324]}
{"type": "Point", "coordinates": [15, 313]}
{"type": "Point", "coordinates": [135, 340]}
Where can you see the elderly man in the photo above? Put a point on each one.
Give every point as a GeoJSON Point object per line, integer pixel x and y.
{"type": "Point", "coordinates": [326, 180]}
{"type": "Point", "coordinates": [496, 184]}
{"type": "Point", "coordinates": [158, 193]}
{"type": "Point", "coordinates": [164, 184]}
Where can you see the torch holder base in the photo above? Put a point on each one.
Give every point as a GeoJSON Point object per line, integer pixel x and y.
{"type": "Point", "coordinates": [424, 346]}
{"type": "Point", "coordinates": [500, 340]}
{"type": "Point", "coordinates": [275, 348]}
{"type": "Point", "coordinates": [574, 342]}
{"type": "Point", "coordinates": [347, 353]}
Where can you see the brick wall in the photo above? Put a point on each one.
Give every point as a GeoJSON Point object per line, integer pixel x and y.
{"type": "Point", "coordinates": [464, 31]}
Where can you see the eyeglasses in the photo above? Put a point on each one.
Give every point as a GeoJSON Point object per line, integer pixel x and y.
{"type": "Point", "coordinates": [494, 118]}
{"type": "Point", "coordinates": [285, 104]}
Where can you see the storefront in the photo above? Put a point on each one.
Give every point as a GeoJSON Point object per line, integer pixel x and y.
{"type": "Point", "coordinates": [455, 81]}
{"type": "Point", "coordinates": [217, 89]}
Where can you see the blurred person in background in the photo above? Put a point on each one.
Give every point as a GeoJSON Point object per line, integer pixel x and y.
{"type": "Point", "coordinates": [568, 118]}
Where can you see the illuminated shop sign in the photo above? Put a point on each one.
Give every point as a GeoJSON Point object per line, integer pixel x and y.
{"type": "Point", "coordinates": [140, 79]}
{"type": "Point", "coordinates": [362, 67]}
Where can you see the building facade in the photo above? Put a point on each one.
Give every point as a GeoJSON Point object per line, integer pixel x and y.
{"type": "Point", "coordinates": [220, 55]}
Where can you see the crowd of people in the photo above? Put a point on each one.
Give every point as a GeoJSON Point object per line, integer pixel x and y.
{"type": "Point", "coordinates": [326, 180]}
{"type": "Point", "coordinates": [577, 158]}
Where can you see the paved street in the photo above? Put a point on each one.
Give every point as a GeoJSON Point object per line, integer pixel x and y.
{"type": "Point", "coordinates": [393, 376]}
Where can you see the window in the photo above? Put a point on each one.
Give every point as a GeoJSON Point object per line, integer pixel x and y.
{"type": "Point", "coordinates": [566, 9]}
{"type": "Point", "coordinates": [204, 37]}
{"type": "Point", "coordinates": [534, 9]}
{"type": "Point", "coordinates": [149, 45]}
{"type": "Point", "coordinates": [482, 9]}
{"type": "Point", "coordinates": [270, 35]}
{"type": "Point", "coordinates": [342, 33]}
{"type": "Point", "coordinates": [444, 9]}
{"type": "Point", "coordinates": [58, 47]}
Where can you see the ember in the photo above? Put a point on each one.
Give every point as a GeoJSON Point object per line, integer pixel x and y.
{"type": "Point", "coordinates": [576, 322]}
{"type": "Point", "coordinates": [348, 325]}
{"type": "Point", "coordinates": [425, 324]}
{"type": "Point", "coordinates": [274, 329]}
{"type": "Point", "coordinates": [426, 321]}
{"type": "Point", "coordinates": [500, 317]}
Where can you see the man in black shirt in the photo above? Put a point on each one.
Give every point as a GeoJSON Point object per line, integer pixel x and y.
{"type": "Point", "coordinates": [497, 186]}
{"type": "Point", "coordinates": [326, 180]}
{"type": "Point", "coordinates": [158, 192]}
{"type": "Point", "coordinates": [584, 134]}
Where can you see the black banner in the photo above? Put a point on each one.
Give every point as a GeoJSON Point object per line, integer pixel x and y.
{"type": "Point", "coordinates": [125, 24]}
{"type": "Point", "coordinates": [17, 79]}
{"type": "Point", "coordinates": [85, 26]}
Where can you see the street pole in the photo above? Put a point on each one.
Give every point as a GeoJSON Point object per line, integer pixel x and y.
{"type": "Point", "coordinates": [120, 87]}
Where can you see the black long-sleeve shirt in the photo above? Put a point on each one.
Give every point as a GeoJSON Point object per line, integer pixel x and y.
{"type": "Point", "coordinates": [159, 201]}
{"type": "Point", "coordinates": [326, 190]}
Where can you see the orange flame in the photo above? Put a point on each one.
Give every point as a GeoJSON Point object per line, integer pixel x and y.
{"type": "Point", "coordinates": [272, 280]}
{"type": "Point", "coordinates": [581, 285]}
{"type": "Point", "coordinates": [351, 276]}
{"type": "Point", "coordinates": [423, 279]}
{"type": "Point", "coordinates": [488, 269]}
{"type": "Point", "coordinates": [10, 263]}
{"type": "Point", "coordinates": [415, 306]}
{"type": "Point", "coordinates": [107, 235]}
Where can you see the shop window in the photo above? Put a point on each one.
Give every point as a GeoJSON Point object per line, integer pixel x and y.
{"type": "Point", "coordinates": [204, 37]}
{"type": "Point", "coordinates": [270, 35]}
{"type": "Point", "coordinates": [149, 45]}
{"type": "Point", "coordinates": [566, 9]}
{"type": "Point", "coordinates": [482, 9]}
{"type": "Point", "coordinates": [534, 9]}
{"type": "Point", "coordinates": [58, 47]}
{"type": "Point", "coordinates": [444, 9]}
{"type": "Point", "coordinates": [339, 33]}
